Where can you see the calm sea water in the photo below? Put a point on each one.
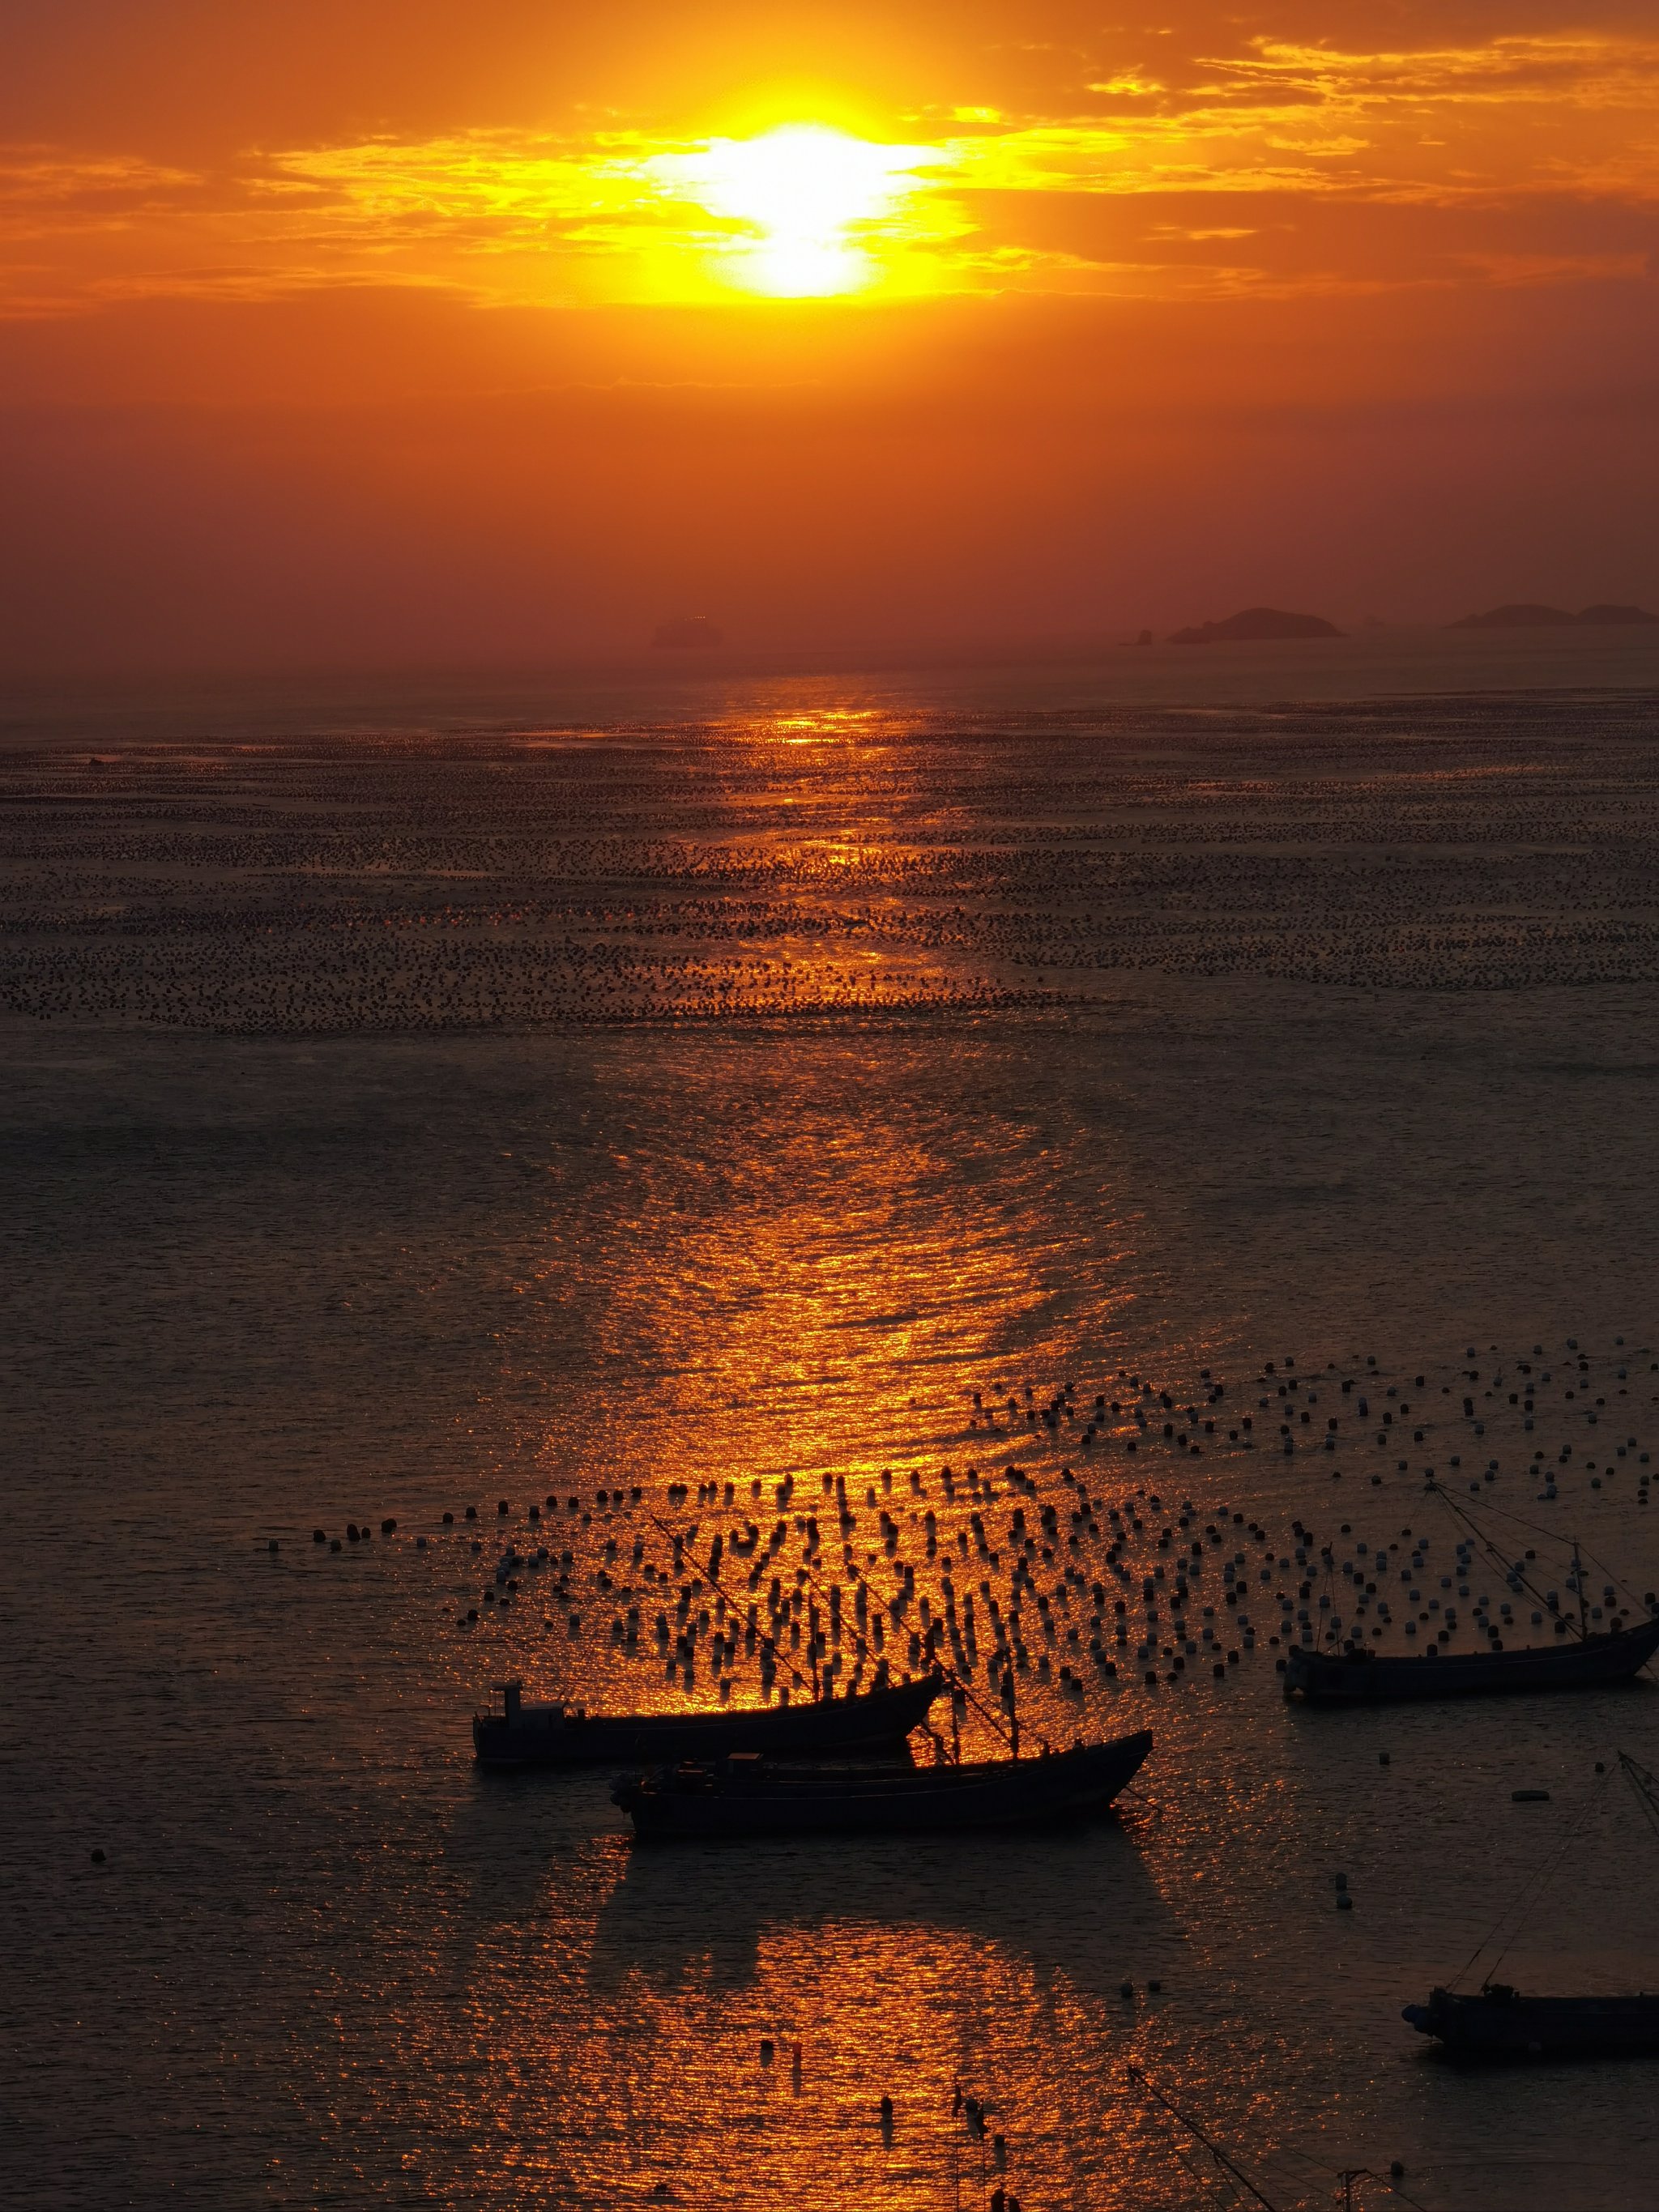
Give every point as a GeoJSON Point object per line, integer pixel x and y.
{"type": "Point", "coordinates": [545, 1097]}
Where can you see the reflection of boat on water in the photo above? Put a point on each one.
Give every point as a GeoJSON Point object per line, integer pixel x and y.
{"type": "Point", "coordinates": [569, 1735]}
{"type": "Point", "coordinates": [1073, 1902]}
{"type": "Point", "coordinates": [749, 1796]}
{"type": "Point", "coordinates": [1497, 2021]}
{"type": "Point", "coordinates": [1357, 1676]}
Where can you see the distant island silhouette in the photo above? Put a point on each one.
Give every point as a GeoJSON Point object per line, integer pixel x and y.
{"type": "Point", "coordinates": [1524, 615]}
{"type": "Point", "coordinates": [687, 630]}
{"type": "Point", "coordinates": [1252, 623]}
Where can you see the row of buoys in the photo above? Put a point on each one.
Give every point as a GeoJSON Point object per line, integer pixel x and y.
{"type": "Point", "coordinates": [1025, 1544]}
{"type": "Point", "coordinates": [354, 1534]}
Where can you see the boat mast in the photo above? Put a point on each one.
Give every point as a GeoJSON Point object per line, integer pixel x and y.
{"type": "Point", "coordinates": [1579, 1582]}
{"type": "Point", "coordinates": [1512, 1569]}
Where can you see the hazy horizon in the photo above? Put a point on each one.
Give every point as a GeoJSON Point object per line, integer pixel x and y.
{"type": "Point", "coordinates": [506, 339]}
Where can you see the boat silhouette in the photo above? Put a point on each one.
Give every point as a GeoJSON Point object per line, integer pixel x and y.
{"type": "Point", "coordinates": [1497, 2021]}
{"type": "Point", "coordinates": [1354, 1675]}
{"type": "Point", "coordinates": [523, 1734]}
{"type": "Point", "coordinates": [750, 1796]}
{"type": "Point", "coordinates": [1583, 1659]}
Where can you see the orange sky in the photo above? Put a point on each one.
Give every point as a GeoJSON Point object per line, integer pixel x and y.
{"type": "Point", "coordinates": [388, 330]}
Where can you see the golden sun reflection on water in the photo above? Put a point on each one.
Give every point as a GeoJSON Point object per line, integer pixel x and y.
{"type": "Point", "coordinates": [821, 1286]}
{"type": "Point", "coordinates": [746, 2013]}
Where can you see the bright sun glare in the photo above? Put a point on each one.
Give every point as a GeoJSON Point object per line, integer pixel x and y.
{"type": "Point", "coordinates": [809, 199]}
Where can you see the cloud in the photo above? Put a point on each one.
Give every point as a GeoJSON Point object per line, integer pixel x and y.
{"type": "Point", "coordinates": [509, 216]}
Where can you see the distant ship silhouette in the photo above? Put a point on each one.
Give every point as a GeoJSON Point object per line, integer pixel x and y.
{"type": "Point", "coordinates": [686, 630]}
{"type": "Point", "coordinates": [1524, 615]}
{"type": "Point", "coordinates": [1252, 623]}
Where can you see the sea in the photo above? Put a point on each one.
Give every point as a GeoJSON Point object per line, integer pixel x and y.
{"type": "Point", "coordinates": [1180, 1125]}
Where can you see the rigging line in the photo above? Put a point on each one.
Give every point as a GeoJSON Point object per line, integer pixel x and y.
{"type": "Point", "coordinates": [937, 1664]}
{"type": "Point", "coordinates": [1534, 1528]}
{"type": "Point", "coordinates": [1533, 1889]}
{"type": "Point", "coordinates": [1645, 1787]}
{"type": "Point", "coordinates": [795, 1675]}
{"type": "Point", "coordinates": [949, 1673]}
{"type": "Point", "coordinates": [1525, 1905]}
{"type": "Point", "coordinates": [1216, 2187]}
{"type": "Point", "coordinates": [1512, 1573]}
{"type": "Point", "coordinates": [1215, 2150]}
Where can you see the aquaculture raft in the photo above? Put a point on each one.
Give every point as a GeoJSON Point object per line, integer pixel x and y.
{"type": "Point", "coordinates": [567, 1735]}
{"type": "Point", "coordinates": [749, 1796]}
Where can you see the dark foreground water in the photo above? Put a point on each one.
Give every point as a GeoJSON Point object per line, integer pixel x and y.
{"type": "Point", "coordinates": [540, 1114]}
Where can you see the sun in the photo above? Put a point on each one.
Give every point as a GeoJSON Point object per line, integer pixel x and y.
{"type": "Point", "coordinates": [810, 201]}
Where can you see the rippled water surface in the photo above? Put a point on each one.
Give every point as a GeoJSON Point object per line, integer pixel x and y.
{"type": "Point", "coordinates": [571, 1108]}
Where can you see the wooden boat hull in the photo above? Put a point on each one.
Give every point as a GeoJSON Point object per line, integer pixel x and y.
{"type": "Point", "coordinates": [1500, 2023]}
{"type": "Point", "coordinates": [1002, 1793]}
{"type": "Point", "coordinates": [1338, 1678]}
{"type": "Point", "coordinates": [553, 1736]}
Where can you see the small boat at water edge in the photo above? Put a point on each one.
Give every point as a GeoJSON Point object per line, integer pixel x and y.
{"type": "Point", "coordinates": [749, 1795]}
{"type": "Point", "coordinates": [1354, 1675]}
{"type": "Point", "coordinates": [1500, 2023]}
{"type": "Point", "coordinates": [569, 1735]}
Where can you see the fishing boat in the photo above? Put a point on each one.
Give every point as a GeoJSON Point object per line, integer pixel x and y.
{"type": "Point", "coordinates": [1584, 1659]}
{"type": "Point", "coordinates": [748, 1795]}
{"type": "Point", "coordinates": [1354, 1675]}
{"type": "Point", "coordinates": [522, 1734]}
{"type": "Point", "coordinates": [1499, 2022]}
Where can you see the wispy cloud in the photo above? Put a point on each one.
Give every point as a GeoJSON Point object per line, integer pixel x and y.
{"type": "Point", "coordinates": [994, 202]}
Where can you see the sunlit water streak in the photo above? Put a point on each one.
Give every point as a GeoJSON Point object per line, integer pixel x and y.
{"type": "Point", "coordinates": [258, 1282]}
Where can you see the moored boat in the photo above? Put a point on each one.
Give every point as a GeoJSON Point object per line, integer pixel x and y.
{"type": "Point", "coordinates": [751, 1796]}
{"type": "Point", "coordinates": [1354, 1675]}
{"type": "Point", "coordinates": [523, 1734]}
{"type": "Point", "coordinates": [1499, 2022]}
